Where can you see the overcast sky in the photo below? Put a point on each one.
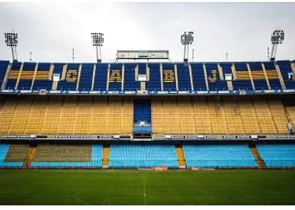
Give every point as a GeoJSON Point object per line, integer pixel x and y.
{"type": "Point", "coordinates": [51, 30]}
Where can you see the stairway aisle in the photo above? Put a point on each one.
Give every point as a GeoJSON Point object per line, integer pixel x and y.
{"type": "Point", "coordinates": [180, 156]}
{"type": "Point", "coordinates": [256, 155]}
{"type": "Point", "coordinates": [30, 156]}
{"type": "Point", "coordinates": [105, 157]}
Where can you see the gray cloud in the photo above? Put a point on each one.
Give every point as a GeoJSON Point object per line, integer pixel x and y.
{"type": "Point", "coordinates": [51, 30]}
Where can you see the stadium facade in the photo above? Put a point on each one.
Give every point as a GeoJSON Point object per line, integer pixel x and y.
{"type": "Point", "coordinates": [147, 115]}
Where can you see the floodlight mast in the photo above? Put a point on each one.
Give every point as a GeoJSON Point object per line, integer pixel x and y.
{"type": "Point", "coordinates": [277, 38]}
{"type": "Point", "coordinates": [97, 41]}
{"type": "Point", "coordinates": [186, 39]}
{"type": "Point", "coordinates": [11, 40]}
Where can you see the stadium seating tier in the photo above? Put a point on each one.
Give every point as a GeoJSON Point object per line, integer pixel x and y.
{"type": "Point", "coordinates": [219, 156]}
{"type": "Point", "coordinates": [114, 78]}
{"type": "Point", "coordinates": [277, 155]}
{"type": "Point", "coordinates": [142, 156]}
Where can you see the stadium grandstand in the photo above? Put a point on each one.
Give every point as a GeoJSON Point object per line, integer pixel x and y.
{"type": "Point", "coordinates": [147, 115]}
{"type": "Point", "coordinates": [153, 114]}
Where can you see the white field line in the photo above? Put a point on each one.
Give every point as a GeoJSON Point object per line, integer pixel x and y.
{"type": "Point", "coordinates": [144, 191]}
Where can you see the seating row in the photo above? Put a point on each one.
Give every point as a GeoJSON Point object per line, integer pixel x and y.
{"type": "Point", "coordinates": [155, 76]}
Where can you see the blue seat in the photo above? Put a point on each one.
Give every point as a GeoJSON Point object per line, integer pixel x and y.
{"type": "Point", "coordinates": [25, 84]}
{"type": "Point", "coordinates": [277, 155]}
{"type": "Point", "coordinates": [274, 83]}
{"type": "Point", "coordinates": [198, 77]}
{"type": "Point", "coordinates": [154, 84]}
{"type": "Point", "coordinates": [96, 161]}
{"type": "Point", "coordinates": [4, 148]}
{"type": "Point", "coordinates": [142, 156]}
{"type": "Point", "coordinates": [100, 80]}
{"type": "Point", "coordinates": [219, 156]}
{"type": "Point", "coordinates": [129, 77]}
{"type": "Point", "coordinates": [242, 84]}
{"type": "Point", "coordinates": [260, 84]}
{"type": "Point", "coordinates": [285, 67]}
{"type": "Point", "coordinates": [169, 86]}
{"type": "Point", "coordinates": [10, 84]}
{"type": "Point", "coordinates": [116, 85]}
{"type": "Point", "coordinates": [184, 83]}
{"type": "Point", "coordinates": [65, 85]}
{"type": "Point", "coordinates": [214, 81]}
{"type": "Point", "coordinates": [86, 77]}
{"type": "Point", "coordinates": [42, 84]}
{"type": "Point", "coordinates": [3, 69]}
{"type": "Point", "coordinates": [142, 110]}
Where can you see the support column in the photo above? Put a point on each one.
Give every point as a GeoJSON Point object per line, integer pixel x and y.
{"type": "Point", "coordinates": [205, 76]}
{"type": "Point", "coordinates": [6, 76]}
{"type": "Point", "coordinates": [64, 72]}
{"type": "Point", "coordinates": [220, 71]}
{"type": "Point", "coordinates": [108, 77]}
{"type": "Point", "coordinates": [233, 69]}
{"type": "Point", "coordinates": [280, 76]}
{"type": "Point", "coordinates": [93, 77]}
{"type": "Point", "coordinates": [161, 76]}
{"type": "Point", "coordinates": [265, 75]}
{"type": "Point", "coordinates": [191, 76]}
{"type": "Point", "coordinates": [250, 75]}
{"type": "Point", "coordinates": [123, 76]}
{"type": "Point", "coordinates": [176, 76]}
{"type": "Point", "coordinates": [35, 72]}
{"type": "Point", "coordinates": [19, 75]}
{"type": "Point", "coordinates": [79, 75]}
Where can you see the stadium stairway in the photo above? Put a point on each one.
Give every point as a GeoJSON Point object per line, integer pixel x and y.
{"type": "Point", "coordinates": [105, 157]}
{"type": "Point", "coordinates": [30, 156]}
{"type": "Point", "coordinates": [257, 156]}
{"type": "Point", "coordinates": [142, 118]}
{"type": "Point", "coordinates": [180, 156]}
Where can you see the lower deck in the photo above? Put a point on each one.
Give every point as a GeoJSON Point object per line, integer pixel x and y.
{"type": "Point", "coordinates": [148, 155]}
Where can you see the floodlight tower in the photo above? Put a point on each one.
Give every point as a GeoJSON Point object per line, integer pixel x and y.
{"type": "Point", "coordinates": [277, 38]}
{"type": "Point", "coordinates": [11, 40]}
{"type": "Point", "coordinates": [97, 41]}
{"type": "Point", "coordinates": [186, 39]}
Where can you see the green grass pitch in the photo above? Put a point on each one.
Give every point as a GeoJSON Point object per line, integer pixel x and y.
{"type": "Point", "coordinates": [147, 187]}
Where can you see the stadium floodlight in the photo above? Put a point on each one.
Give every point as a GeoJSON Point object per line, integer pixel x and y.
{"type": "Point", "coordinates": [277, 38]}
{"type": "Point", "coordinates": [97, 41]}
{"type": "Point", "coordinates": [186, 39]}
{"type": "Point", "coordinates": [11, 40]}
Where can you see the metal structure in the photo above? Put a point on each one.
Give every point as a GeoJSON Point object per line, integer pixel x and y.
{"type": "Point", "coordinates": [277, 38]}
{"type": "Point", "coordinates": [73, 55]}
{"type": "Point", "coordinates": [97, 41]}
{"type": "Point", "coordinates": [186, 39]}
{"type": "Point", "coordinates": [11, 40]}
{"type": "Point", "coordinates": [142, 54]}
